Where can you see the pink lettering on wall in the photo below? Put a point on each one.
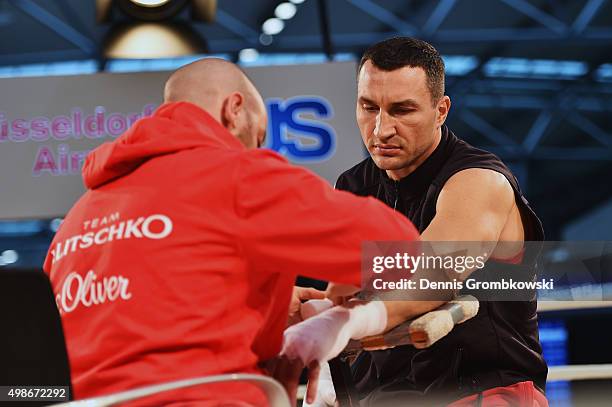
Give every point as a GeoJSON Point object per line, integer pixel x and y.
{"type": "Point", "coordinates": [61, 160]}
{"type": "Point", "coordinates": [60, 127]}
{"type": "Point", "coordinates": [3, 128]}
{"type": "Point", "coordinates": [76, 123]}
{"type": "Point", "coordinates": [45, 162]}
{"type": "Point", "coordinates": [40, 129]}
{"type": "Point", "coordinates": [19, 130]}
{"type": "Point", "coordinates": [95, 125]}
{"type": "Point", "coordinates": [116, 124]}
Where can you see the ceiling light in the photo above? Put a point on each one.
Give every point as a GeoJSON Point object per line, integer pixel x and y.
{"type": "Point", "coordinates": [9, 257]}
{"type": "Point", "coordinates": [272, 26]}
{"type": "Point", "coordinates": [297, 1]}
{"type": "Point", "coordinates": [152, 10]}
{"type": "Point", "coordinates": [265, 39]}
{"type": "Point", "coordinates": [150, 3]}
{"type": "Point", "coordinates": [153, 40]}
{"type": "Point", "coordinates": [285, 11]}
{"type": "Point", "coordinates": [248, 55]}
{"type": "Point", "coordinates": [155, 10]}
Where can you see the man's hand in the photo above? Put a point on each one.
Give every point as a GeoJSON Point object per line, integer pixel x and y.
{"type": "Point", "coordinates": [325, 335]}
{"type": "Point", "coordinates": [322, 337]}
{"type": "Point", "coordinates": [340, 293]}
{"type": "Point", "coordinates": [301, 294]}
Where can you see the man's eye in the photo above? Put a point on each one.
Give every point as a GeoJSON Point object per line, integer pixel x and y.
{"type": "Point", "coordinates": [369, 108]}
{"type": "Point", "coordinates": [403, 110]}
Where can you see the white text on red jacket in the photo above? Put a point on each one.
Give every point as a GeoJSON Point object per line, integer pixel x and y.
{"type": "Point", "coordinates": [88, 291]}
{"type": "Point", "coordinates": [155, 226]}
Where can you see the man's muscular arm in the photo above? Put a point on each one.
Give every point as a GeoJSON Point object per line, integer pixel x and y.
{"type": "Point", "coordinates": [474, 206]}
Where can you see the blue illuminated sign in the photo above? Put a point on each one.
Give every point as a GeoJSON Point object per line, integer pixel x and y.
{"type": "Point", "coordinates": [299, 138]}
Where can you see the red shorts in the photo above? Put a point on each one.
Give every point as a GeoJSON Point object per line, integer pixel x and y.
{"type": "Point", "coordinates": [523, 394]}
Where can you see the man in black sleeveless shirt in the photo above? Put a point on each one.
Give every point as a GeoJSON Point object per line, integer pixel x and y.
{"type": "Point", "coordinates": [451, 191]}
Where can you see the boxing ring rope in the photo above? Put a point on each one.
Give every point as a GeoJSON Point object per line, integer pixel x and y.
{"type": "Point", "coordinates": [576, 372]}
{"type": "Point", "coordinates": [579, 372]}
{"type": "Point", "coordinates": [552, 305]}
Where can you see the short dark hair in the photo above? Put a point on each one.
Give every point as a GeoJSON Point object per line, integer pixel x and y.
{"type": "Point", "coordinates": [398, 52]}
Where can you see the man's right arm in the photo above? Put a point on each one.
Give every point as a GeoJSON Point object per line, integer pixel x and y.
{"type": "Point", "coordinates": [293, 220]}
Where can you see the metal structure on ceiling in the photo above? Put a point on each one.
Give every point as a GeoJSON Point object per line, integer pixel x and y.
{"type": "Point", "coordinates": [537, 89]}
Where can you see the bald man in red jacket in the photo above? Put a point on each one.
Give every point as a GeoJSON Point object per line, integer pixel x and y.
{"type": "Point", "coordinates": [180, 259]}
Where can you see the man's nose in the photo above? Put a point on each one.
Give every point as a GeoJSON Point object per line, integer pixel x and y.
{"type": "Point", "coordinates": [385, 126]}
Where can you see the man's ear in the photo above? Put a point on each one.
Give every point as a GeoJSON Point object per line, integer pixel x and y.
{"type": "Point", "coordinates": [443, 108]}
{"type": "Point", "coordinates": [231, 109]}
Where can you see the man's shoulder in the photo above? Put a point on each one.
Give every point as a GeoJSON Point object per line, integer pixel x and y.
{"type": "Point", "coordinates": [465, 156]}
{"type": "Point", "coordinates": [467, 153]}
{"type": "Point", "coordinates": [360, 178]}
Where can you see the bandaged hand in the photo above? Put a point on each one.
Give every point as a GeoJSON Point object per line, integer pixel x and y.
{"type": "Point", "coordinates": [325, 335]}
{"type": "Point", "coordinates": [311, 308]}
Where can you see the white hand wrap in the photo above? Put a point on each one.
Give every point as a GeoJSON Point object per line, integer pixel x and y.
{"type": "Point", "coordinates": [324, 336]}
{"type": "Point", "coordinates": [314, 307]}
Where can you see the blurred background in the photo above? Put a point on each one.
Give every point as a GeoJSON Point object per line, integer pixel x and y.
{"type": "Point", "coordinates": [530, 80]}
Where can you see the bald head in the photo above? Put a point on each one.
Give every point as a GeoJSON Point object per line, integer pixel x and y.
{"type": "Point", "coordinates": [204, 82]}
{"type": "Point", "coordinates": [224, 91]}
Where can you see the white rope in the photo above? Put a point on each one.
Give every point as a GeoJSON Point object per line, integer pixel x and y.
{"type": "Point", "coordinates": [579, 372]}
{"type": "Point", "coordinates": [545, 306]}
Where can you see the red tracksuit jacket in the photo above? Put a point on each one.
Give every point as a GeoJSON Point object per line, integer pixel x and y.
{"type": "Point", "coordinates": [179, 260]}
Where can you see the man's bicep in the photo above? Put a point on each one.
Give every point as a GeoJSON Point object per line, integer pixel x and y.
{"type": "Point", "coordinates": [473, 205]}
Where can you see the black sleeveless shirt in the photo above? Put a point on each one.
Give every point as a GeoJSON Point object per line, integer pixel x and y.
{"type": "Point", "coordinates": [498, 347]}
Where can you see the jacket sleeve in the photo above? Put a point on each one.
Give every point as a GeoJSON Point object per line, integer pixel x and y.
{"type": "Point", "coordinates": [293, 221]}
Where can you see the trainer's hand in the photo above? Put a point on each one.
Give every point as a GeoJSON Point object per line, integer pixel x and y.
{"type": "Point", "coordinates": [322, 337]}
{"type": "Point", "coordinates": [326, 394]}
{"type": "Point", "coordinates": [340, 293]}
{"type": "Point", "coordinates": [288, 370]}
{"type": "Point", "coordinates": [301, 294]}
